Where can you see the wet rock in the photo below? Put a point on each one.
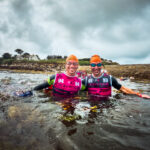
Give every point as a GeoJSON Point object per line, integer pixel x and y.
{"type": "Point", "coordinates": [4, 97]}
{"type": "Point", "coordinates": [14, 111]}
{"type": "Point", "coordinates": [33, 66]}
{"type": "Point", "coordinates": [6, 81]}
{"type": "Point", "coordinates": [137, 72]}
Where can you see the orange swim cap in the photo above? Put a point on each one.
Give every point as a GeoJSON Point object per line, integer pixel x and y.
{"type": "Point", "coordinates": [95, 58]}
{"type": "Point", "coordinates": [72, 57]}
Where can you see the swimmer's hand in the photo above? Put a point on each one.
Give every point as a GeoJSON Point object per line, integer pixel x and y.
{"type": "Point", "coordinates": [23, 93]}
{"type": "Point", "coordinates": [143, 95]}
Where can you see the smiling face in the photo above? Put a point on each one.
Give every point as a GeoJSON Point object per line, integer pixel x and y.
{"type": "Point", "coordinates": [96, 68]}
{"type": "Point", "coordinates": [71, 67]}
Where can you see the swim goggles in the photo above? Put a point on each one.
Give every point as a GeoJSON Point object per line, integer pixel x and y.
{"type": "Point", "coordinates": [94, 65]}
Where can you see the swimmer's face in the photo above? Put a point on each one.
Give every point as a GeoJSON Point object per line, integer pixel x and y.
{"type": "Point", "coordinates": [71, 67]}
{"type": "Point", "coordinates": [96, 68]}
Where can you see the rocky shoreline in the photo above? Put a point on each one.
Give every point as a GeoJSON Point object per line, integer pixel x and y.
{"type": "Point", "coordinates": [36, 67]}
{"type": "Point", "coordinates": [138, 71]}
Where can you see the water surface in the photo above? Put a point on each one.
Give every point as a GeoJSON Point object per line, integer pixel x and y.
{"type": "Point", "coordinates": [41, 123]}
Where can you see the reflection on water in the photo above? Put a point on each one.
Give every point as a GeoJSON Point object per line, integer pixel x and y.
{"type": "Point", "coordinates": [41, 122]}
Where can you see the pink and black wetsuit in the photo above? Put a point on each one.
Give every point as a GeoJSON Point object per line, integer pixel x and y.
{"type": "Point", "coordinates": [66, 85]}
{"type": "Point", "coordinates": [99, 87]}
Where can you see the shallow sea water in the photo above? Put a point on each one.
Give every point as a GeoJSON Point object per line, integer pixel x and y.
{"type": "Point", "coordinates": [41, 122]}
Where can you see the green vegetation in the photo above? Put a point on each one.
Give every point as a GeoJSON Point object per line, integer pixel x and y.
{"type": "Point", "coordinates": [10, 61]}
{"type": "Point", "coordinates": [58, 61]}
{"type": "Point", "coordinates": [108, 63]}
{"type": "Point", "coordinates": [24, 57]}
{"type": "Point", "coordinates": [6, 61]}
{"type": "Point", "coordinates": [84, 62]}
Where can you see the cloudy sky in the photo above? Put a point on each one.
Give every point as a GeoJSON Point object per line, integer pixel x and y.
{"type": "Point", "coordinates": [115, 29]}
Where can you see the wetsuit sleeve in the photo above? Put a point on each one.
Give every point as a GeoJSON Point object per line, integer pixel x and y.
{"type": "Point", "coordinates": [115, 83]}
{"type": "Point", "coordinates": [83, 87]}
{"type": "Point", "coordinates": [41, 86]}
{"type": "Point", "coordinates": [51, 79]}
{"type": "Point", "coordinates": [45, 84]}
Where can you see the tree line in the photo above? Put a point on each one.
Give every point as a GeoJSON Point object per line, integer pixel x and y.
{"type": "Point", "coordinates": [18, 51]}
{"type": "Point", "coordinates": [55, 58]}
{"type": "Point", "coordinates": [26, 55]}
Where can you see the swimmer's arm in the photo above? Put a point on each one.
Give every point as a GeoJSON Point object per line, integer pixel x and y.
{"type": "Point", "coordinates": [41, 86]}
{"type": "Point", "coordinates": [115, 83]}
{"type": "Point", "coordinates": [126, 90]}
{"type": "Point", "coordinates": [129, 91]}
{"type": "Point", "coordinates": [123, 89]}
{"type": "Point", "coordinates": [46, 84]}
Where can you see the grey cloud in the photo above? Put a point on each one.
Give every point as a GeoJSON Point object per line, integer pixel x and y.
{"type": "Point", "coordinates": [118, 27]}
{"type": "Point", "coordinates": [22, 9]}
{"type": "Point", "coordinates": [21, 25]}
{"type": "Point", "coordinates": [137, 55]}
{"type": "Point", "coordinates": [17, 18]}
{"type": "Point", "coordinates": [37, 35]}
{"type": "Point", "coordinates": [127, 33]}
{"type": "Point", "coordinates": [81, 15]}
{"type": "Point", "coordinates": [3, 27]}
